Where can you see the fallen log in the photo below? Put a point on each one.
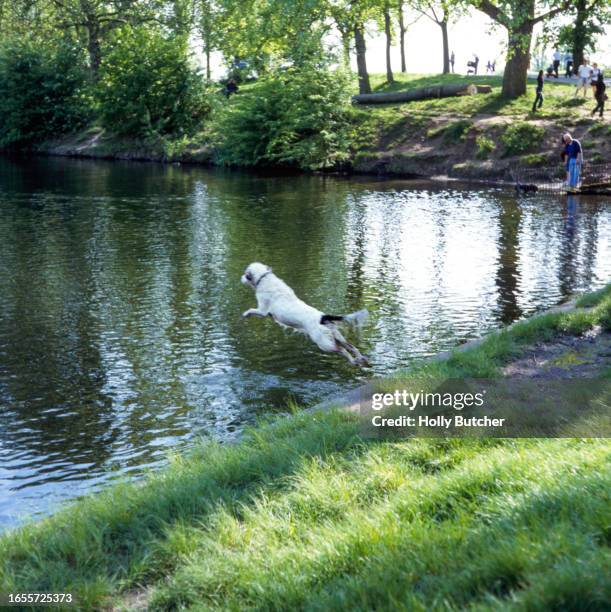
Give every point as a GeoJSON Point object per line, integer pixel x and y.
{"type": "Point", "coordinates": [422, 93]}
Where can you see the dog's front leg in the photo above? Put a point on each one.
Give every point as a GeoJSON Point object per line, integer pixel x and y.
{"type": "Point", "coordinates": [253, 312]}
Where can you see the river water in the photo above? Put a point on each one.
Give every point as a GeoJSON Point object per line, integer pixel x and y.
{"type": "Point", "coordinates": [120, 300]}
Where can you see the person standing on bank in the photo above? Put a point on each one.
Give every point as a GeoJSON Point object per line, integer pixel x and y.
{"type": "Point", "coordinates": [575, 155]}
{"type": "Point", "coordinates": [600, 94]}
{"type": "Point", "coordinates": [539, 96]}
{"type": "Point", "coordinates": [452, 59]}
{"type": "Point", "coordinates": [557, 58]}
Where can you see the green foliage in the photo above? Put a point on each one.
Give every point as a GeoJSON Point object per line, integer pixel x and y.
{"type": "Point", "coordinates": [457, 131]}
{"type": "Point", "coordinates": [298, 117]}
{"type": "Point", "coordinates": [44, 91]}
{"type": "Point", "coordinates": [453, 132]}
{"type": "Point", "coordinates": [534, 159]}
{"type": "Point", "coordinates": [601, 129]}
{"type": "Point", "coordinates": [147, 85]}
{"type": "Point", "coordinates": [485, 146]}
{"type": "Point", "coordinates": [522, 137]}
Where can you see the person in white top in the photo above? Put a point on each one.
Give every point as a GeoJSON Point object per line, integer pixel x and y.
{"type": "Point", "coordinates": [583, 75]}
{"type": "Point", "coordinates": [557, 58]}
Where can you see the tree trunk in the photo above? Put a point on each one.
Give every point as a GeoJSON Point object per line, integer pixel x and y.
{"type": "Point", "coordinates": [208, 75]}
{"type": "Point", "coordinates": [422, 93]}
{"type": "Point", "coordinates": [361, 62]}
{"type": "Point", "coordinates": [446, 49]}
{"type": "Point", "coordinates": [579, 35]}
{"type": "Point", "coordinates": [402, 36]}
{"type": "Point", "coordinates": [516, 69]}
{"type": "Point", "coordinates": [93, 45]}
{"type": "Point", "coordinates": [388, 32]}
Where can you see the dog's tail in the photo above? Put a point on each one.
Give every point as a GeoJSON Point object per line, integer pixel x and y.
{"type": "Point", "coordinates": [354, 318]}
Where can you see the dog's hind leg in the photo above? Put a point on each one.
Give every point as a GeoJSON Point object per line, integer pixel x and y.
{"type": "Point", "coordinates": [359, 357]}
{"type": "Point", "coordinates": [345, 345]}
{"type": "Point", "coordinates": [346, 354]}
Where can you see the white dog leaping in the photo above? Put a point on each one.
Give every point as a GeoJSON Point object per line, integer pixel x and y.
{"type": "Point", "coordinates": [276, 299]}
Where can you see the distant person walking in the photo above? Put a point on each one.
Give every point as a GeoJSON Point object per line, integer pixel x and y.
{"type": "Point", "coordinates": [583, 75]}
{"type": "Point", "coordinates": [556, 64]}
{"type": "Point", "coordinates": [575, 155]}
{"type": "Point", "coordinates": [538, 103]}
{"type": "Point", "coordinates": [452, 60]}
{"type": "Point", "coordinates": [600, 95]}
{"type": "Point", "coordinates": [472, 66]}
{"type": "Point", "coordinates": [594, 74]}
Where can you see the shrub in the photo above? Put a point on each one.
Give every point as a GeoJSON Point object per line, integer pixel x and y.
{"type": "Point", "coordinates": [456, 131]}
{"type": "Point", "coordinates": [485, 146]}
{"type": "Point", "coordinates": [535, 159]}
{"type": "Point", "coordinates": [453, 132]}
{"type": "Point", "coordinates": [148, 86]}
{"type": "Point", "coordinates": [44, 91]}
{"type": "Point", "coordinates": [299, 117]}
{"type": "Point", "coordinates": [521, 138]}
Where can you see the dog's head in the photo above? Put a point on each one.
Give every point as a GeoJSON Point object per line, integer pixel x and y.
{"type": "Point", "coordinates": [253, 274]}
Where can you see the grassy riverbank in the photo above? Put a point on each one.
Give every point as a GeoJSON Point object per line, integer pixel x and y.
{"type": "Point", "coordinates": [305, 513]}
{"type": "Point", "coordinates": [479, 136]}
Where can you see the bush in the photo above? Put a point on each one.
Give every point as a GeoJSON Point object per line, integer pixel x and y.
{"type": "Point", "coordinates": [453, 132]}
{"type": "Point", "coordinates": [300, 117]}
{"type": "Point", "coordinates": [457, 131]}
{"type": "Point", "coordinates": [485, 146]}
{"type": "Point", "coordinates": [44, 91]}
{"type": "Point", "coordinates": [535, 159]}
{"type": "Point", "coordinates": [147, 85]}
{"type": "Point", "coordinates": [521, 138]}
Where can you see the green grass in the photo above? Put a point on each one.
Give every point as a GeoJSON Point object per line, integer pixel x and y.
{"type": "Point", "coordinates": [305, 513]}
{"type": "Point", "coordinates": [555, 106]}
{"type": "Point", "coordinates": [452, 132]}
{"type": "Point", "coordinates": [601, 129]}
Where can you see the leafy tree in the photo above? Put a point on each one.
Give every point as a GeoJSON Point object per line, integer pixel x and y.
{"type": "Point", "coordinates": [44, 90]}
{"type": "Point", "coordinates": [388, 33]}
{"type": "Point", "coordinates": [147, 85]}
{"type": "Point", "coordinates": [350, 18]}
{"type": "Point", "coordinates": [519, 18]}
{"type": "Point", "coordinates": [440, 12]}
{"type": "Point", "coordinates": [385, 23]}
{"type": "Point", "coordinates": [402, 31]}
{"type": "Point", "coordinates": [298, 117]}
{"type": "Point", "coordinates": [91, 20]}
{"type": "Point", "coordinates": [581, 36]}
